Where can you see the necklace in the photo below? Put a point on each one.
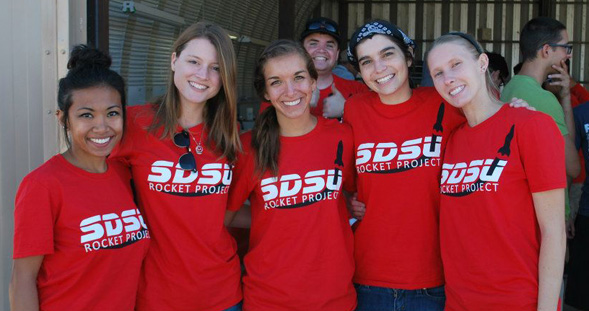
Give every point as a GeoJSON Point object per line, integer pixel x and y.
{"type": "Point", "coordinates": [199, 149]}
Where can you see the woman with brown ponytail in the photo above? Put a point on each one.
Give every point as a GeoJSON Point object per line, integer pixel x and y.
{"type": "Point", "coordinates": [292, 170]}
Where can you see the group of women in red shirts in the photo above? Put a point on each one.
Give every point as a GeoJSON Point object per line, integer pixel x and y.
{"type": "Point", "coordinates": [453, 189]}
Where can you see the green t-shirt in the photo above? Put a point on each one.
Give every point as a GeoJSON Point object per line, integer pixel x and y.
{"type": "Point", "coordinates": [528, 89]}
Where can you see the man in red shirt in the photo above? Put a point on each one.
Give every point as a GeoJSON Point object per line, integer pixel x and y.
{"type": "Point", "coordinates": [321, 39]}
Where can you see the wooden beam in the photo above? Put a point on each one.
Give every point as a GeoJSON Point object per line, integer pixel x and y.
{"type": "Point", "coordinates": [367, 10]}
{"type": "Point", "coordinates": [343, 22]}
{"type": "Point", "coordinates": [547, 8]}
{"type": "Point", "coordinates": [98, 24]}
{"type": "Point", "coordinates": [286, 19]}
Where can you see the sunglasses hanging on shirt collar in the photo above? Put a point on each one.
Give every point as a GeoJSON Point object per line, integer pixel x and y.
{"type": "Point", "coordinates": [187, 161]}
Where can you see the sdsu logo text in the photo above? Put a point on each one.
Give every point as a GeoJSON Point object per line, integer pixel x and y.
{"type": "Point", "coordinates": [211, 178]}
{"type": "Point", "coordinates": [461, 179]}
{"type": "Point", "coordinates": [389, 157]}
{"type": "Point", "coordinates": [111, 231]}
{"type": "Point", "coordinates": [478, 175]}
{"type": "Point", "coordinates": [294, 191]}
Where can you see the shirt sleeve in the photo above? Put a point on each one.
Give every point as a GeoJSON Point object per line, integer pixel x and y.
{"type": "Point", "coordinates": [122, 151]}
{"type": "Point", "coordinates": [360, 87]}
{"type": "Point", "coordinates": [263, 106]}
{"type": "Point", "coordinates": [555, 111]}
{"type": "Point", "coordinates": [34, 219]}
{"type": "Point", "coordinates": [542, 153]}
{"type": "Point", "coordinates": [349, 171]}
{"type": "Point", "coordinates": [580, 93]}
{"type": "Point", "coordinates": [243, 181]}
{"type": "Point", "coordinates": [350, 110]}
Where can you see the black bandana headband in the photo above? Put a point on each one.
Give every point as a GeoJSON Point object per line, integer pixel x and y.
{"type": "Point", "coordinates": [372, 28]}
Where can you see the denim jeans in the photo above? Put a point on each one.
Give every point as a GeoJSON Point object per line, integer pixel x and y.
{"type": "Point", "coordinates": [236, 307]}
{"type": "Point", "coordinates": [374, 298]}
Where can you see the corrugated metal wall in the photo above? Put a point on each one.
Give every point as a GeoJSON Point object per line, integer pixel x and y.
{"type": "Point", "coordinates": [141, 46]}
{"type": "Point", "coordinates": [425, 20]}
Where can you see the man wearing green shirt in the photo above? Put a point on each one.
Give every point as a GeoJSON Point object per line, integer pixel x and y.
{"type": "Point", "coordinates": [544, 44]}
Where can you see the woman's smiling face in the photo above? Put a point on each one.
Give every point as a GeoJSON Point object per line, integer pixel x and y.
{"type": "Point", "coordinates": [289, 86]}
{"type": "Point", "coordinates": [196, 72]}
{"type": "Point", "coordinates": [458, 76]}
{"type": "Point", "coordinates": [384, 68]}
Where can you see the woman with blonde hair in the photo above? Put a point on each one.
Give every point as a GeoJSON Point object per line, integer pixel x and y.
{"type": "Point", "coordinates": [502, 225]}
{"type": "Point", "coordinates": [181, 149]}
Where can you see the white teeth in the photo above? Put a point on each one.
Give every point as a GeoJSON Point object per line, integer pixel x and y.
{"type": "Point", "coordinates": [100, 141]}
{"type": "Point", "coordinates": [456, 90]}
{"type": "Point", "coordinates": [293, 103]}
{"type": "Point", "coordinates": [384, 79]}
{"type": "Point", "coordinates": [198, 86]}
{"type": "Point", "coordinates": [321, 58]}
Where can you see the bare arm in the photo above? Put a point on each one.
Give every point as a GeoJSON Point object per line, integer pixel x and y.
{"type": "Point", "coordinates": [562, 79]}
{"type": "Point", "coordinates": [239, 219]}
{"type": "Point", "coordinates": [573, 166]}
{"type": "Point", "coordinates": [23, 285]}
{"type": "Point", "coordinates": [549, 206]}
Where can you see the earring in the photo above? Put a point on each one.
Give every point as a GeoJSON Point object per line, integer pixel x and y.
{"type": "Point", "coordinates": [483, 69]}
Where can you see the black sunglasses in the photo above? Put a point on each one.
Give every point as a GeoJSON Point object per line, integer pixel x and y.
{"type": "Point", "coordinates": [187, 161]}
{"type": "Point", "coordinates": [568, 47]}
{"type": "Point", "coordinates": [322, 25]}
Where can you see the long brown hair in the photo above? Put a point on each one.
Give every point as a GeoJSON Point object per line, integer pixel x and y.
{"type": "Point", "coordinates": [266, 132]}
{"type": "Point", "coordinates": [220, 112]}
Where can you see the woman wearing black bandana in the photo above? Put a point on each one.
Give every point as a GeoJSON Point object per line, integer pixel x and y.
{"type": "Point", "coordinates": [400, 136]}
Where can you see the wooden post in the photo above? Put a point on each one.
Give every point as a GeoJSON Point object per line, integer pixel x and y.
{"type": "Point", "coordinates": [286, 19]}
{"type": "Point", "coordinates": [98, 24]}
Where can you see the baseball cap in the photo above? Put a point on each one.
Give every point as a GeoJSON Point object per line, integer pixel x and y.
{"type": "Point", "coordinates": [321, 25]}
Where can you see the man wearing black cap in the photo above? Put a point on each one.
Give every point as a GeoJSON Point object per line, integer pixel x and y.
{"type": "Point", "coordinates": [321, 39]}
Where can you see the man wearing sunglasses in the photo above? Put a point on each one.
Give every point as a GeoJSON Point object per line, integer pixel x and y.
{"type": "Point", "coordinates": [321, 39]}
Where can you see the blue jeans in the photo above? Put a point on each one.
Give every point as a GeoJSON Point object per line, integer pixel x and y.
{"type": "Point", "coordinates": [236, 307]}
{"type": "Point", "coordinates": [374, 298]}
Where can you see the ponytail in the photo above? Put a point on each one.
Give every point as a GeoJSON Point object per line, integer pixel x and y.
{"type": "Point", "coordinates": [266, 142]}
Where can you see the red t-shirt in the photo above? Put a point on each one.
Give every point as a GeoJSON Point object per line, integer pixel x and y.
{"type": "Point", "coordinates": [346, 87]}
{"type": "Point", "coordinates": [301, 244]}
{"type": "Point", "coordinates": [93, 244]}
{"type": "Point", "coordinates": [398, 162]}
{"type": "Point", "coordinates": [489, 233]}
{"type": "Point", "coordinates": [192, 262]}
{"type": "Point", "coordinates": [579, 95]}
